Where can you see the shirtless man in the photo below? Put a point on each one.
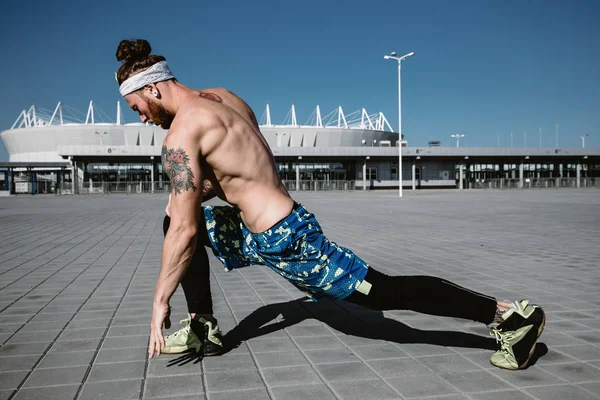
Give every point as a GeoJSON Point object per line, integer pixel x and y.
{"type": "Point", "coordinates": [220, 140]}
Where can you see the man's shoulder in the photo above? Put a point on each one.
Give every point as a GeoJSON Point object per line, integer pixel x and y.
{"type": "Point", "coordinates": [216, 90]}
{"type": "Point", "coordinates": [194, 120]}
{"type": "Point", "coordinates": [195, 113]}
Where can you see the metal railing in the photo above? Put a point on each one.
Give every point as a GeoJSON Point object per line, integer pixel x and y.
{"type": "Point", "coordinates": [124, 187]}
{"type": "Point", "coordinates": [165, 186]}
{"type": "Point", "coordinates": [89, 188]}
{"type": "Point", "coordinates": [38, 186]}
{"type": "Point", "coordinates": [308, 185]}
{"type": "Point", "coordinates": [535, 183]}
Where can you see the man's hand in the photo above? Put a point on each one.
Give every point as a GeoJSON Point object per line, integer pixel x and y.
{"type": "Point", "coordinates": [207, 187]}
{"type": "Point", "coordinates": [208, 191]}
{"type": "Point", "coordinates": [160, 316]}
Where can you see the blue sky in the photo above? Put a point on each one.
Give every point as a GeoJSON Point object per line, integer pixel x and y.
{"type": "Point", "coordinates": [481, 68]}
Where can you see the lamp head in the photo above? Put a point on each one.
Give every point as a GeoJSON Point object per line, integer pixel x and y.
{"type": "Point", "coordinates": [394, 54]}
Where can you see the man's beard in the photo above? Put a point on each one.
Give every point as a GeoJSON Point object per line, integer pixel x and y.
{"type": "Point", "coordinates": [159, 115]}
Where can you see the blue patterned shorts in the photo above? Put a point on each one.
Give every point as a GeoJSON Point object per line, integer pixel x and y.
{"type": "Point", "coordinates": [295, 248]}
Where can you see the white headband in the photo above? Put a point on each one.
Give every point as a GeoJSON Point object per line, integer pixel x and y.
{"type": "Point", "coordinates": [156, 73]}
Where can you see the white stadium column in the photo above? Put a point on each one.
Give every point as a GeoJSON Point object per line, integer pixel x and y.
{"type": "Point", "coordinates": [414, 175]}
{"type": "Point", "coordinates": [521, 175]}
{"type": "Point", "coordinates": [151, 174]}
{"type": "Point", "coordinates": [578, 175]}
{"type": "Point", "coordinates": [365, 174]}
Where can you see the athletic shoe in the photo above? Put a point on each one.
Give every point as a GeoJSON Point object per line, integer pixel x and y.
{"type": "Point", "coordinates": [182, 340]}
{"type": "Point", "coordinates": [213, 338]}
{"type": "Point", "coordinates": [517, 335]}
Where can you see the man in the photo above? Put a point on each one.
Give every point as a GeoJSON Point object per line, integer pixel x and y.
{"type": "Point", "coordinates": [219, 140]}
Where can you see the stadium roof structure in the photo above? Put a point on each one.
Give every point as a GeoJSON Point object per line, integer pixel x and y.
{"type": "Point", "coordinates": [63, 115]}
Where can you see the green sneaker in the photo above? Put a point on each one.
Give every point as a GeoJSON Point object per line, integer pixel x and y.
{"type": "Point", "coordinates": [213, 338]}
{"type": "Point", "coordinates": [517, 335]}
{"type": "Point", "coordinates": [182, 340]}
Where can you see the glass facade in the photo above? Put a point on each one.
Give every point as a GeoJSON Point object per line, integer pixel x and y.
{"type": "Point", "coordinates": [121, 172]}
{"type": "Point", "coordinates": [317, 171]}
{"type": "Point", "coordinates": [142, 172]}
{"type": "Point", "coordinates": [343, 170]}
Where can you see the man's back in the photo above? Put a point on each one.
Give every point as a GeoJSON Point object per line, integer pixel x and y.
{"type": "Point", "coordinates": [235, 156]}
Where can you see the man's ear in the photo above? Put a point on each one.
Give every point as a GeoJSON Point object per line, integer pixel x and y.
{"type": "Point", "coordinates": [152, 90]}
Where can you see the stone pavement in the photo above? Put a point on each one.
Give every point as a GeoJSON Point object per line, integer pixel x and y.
{"type": "Point", "coordinates": [77, 277]}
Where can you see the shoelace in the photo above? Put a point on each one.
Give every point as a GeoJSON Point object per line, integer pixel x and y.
{"type": "Point", "coordinates": [502, 338]}
{"type": "Point", "coordinates": [183, 321]}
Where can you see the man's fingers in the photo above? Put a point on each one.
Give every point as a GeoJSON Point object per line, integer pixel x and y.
{"type": "Point", "coordinates": [151, 346]}
{"type": "Point", "coordinates": [161, 340]}
{"type": "Point", "coordinates": [157, 345]}
{"type": "Point", "coordinates": [160, 343]}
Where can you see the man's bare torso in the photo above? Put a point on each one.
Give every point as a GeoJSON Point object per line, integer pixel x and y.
{"type": "Point", "coordinates": [235, 157]}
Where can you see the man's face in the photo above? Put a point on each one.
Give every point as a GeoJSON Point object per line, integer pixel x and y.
{"type": "Point", "coordinates": [150, 110]}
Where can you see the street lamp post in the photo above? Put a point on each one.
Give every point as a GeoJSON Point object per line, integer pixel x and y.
{"type": "Point", "coordinates": [457, 136]}
{"type": "Point", "coordinates": [394, 56]}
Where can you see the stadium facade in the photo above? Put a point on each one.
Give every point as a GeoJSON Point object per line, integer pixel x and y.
{"type": "Point", "coordinates": [50, 150]}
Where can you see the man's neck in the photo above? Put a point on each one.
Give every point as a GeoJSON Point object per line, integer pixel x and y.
{"type": "Point", "coordinates": [179, 94]}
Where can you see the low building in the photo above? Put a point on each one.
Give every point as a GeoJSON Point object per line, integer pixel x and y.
{"type": "Point", "coordinates": [335, 152]}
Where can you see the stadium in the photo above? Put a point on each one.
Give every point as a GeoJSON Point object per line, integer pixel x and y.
{"type": "Point", "coordinates": [64, 151]}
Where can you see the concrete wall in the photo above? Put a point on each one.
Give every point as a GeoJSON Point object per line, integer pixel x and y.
{"type": "Point", "coordinates": [42, 144]}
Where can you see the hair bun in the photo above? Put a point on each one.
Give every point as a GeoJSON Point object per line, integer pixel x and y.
{"type": "Point", "coordinates": [132, 50]}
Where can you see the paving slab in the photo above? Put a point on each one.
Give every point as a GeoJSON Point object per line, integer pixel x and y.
{"type": "Point", "coordinates": [77, 275]}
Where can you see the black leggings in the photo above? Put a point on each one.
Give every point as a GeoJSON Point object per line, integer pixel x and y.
{"type": "Point", "coordinates": [424, 294]}
{"type": "Point", "coordinates": [196, 281]}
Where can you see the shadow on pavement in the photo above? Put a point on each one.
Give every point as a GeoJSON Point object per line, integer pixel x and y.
{"type": "Point", "coordinates": [362, 323]}
{"type": "Point", "coordinates": [540, 350]}
{"type": "Point", "coordinates": [187, 357]}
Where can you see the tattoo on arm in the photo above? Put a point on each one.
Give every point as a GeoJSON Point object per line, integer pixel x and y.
{"type": "Point", "coordinates": [176, 165]}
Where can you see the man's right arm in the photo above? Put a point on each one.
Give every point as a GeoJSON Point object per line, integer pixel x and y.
{"type": "Point", "coordinates": [208, 192]}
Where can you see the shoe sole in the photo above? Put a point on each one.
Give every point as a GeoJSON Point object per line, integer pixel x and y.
{"type": "Point", "coordinates": [180, 349]}
{"type": "Point", "coordinates": [524, 365]}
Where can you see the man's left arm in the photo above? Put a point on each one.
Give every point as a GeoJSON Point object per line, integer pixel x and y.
{"type": "Point", "coordinates": [181, 162]}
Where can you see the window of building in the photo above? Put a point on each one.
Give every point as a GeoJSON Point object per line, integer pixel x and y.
{"type": "Point", "coordinates": [394, 173]}
{"type": "Point", "coordinates": [372, 173]}
{"type": "Point", "coordinates": [417, 173]}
